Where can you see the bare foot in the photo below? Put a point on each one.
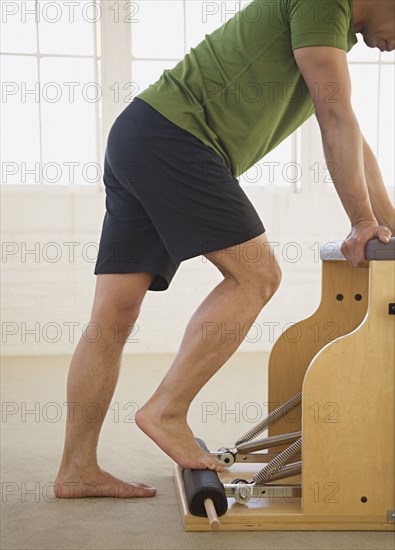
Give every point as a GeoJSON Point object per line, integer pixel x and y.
{"type": "Point", "coordinates": [98, 483]}
{"type": "Point", "coordinates": [173, 435]}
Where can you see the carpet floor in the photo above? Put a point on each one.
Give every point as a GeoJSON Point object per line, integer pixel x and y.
{"type": "Point", "coordinates": [33, 395]}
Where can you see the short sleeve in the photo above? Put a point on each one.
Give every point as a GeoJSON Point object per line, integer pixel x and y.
{"type": "Point", "coordinates": [321, 23]}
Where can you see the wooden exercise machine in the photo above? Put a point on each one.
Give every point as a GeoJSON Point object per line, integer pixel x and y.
{"type": "Point", "coordinates": [330, 423]}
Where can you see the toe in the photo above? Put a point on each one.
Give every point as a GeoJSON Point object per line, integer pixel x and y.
{"type": "Point", "coordinates": [139, 490]}
{"type": "Point", "coordinates": [142, 484]}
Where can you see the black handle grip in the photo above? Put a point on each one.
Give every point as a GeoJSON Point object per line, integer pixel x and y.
{"type": "Point", "coordinates": [376, 250]}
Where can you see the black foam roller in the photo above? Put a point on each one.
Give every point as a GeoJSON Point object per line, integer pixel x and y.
{"type": "Point", "coordinates": [202, 484]}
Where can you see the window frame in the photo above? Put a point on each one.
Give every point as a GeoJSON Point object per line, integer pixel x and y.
{"type": "Point", "coordinates": [62, 187]}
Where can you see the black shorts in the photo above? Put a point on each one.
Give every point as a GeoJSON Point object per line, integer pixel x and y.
{"type": "Point", "coordinates": [168, 198]}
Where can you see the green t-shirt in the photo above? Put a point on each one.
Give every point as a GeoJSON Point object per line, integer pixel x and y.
{"type": "Point", "coordinates": [240, 90]}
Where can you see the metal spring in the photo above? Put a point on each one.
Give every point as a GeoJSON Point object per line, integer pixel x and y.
{"type": "Point", "coordinates": [271, 419]}
{"type": "Point", "coordinates": [288, 471]}
{"type": "Point", "coordinates": [274, 466]}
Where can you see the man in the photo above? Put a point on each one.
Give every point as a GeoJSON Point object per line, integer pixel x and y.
{"type": "Point", "coordinates": [171, 164]}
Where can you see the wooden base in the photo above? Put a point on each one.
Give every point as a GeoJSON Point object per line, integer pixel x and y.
{"type": "Point", "coordinates": [275, 514]}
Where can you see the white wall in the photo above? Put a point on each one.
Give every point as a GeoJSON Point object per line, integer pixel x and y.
{"type": "Point", "coordinates": [48, 296]}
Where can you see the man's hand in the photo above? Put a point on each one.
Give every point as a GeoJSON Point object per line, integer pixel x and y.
{"type": "Point", "coordinates": [353, 248]}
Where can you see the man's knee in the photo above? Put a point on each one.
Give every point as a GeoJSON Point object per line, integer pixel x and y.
{"type": "Point", "coordinates": [117, 303]}
{"type": "Point", "coordinates": [265, 280]}
{"type": "Point", "coordinates": [118, 298]}
{"type": "Point", "coordinates": [252, 265]}
{"type": "Point", "coordinates": [116, 319]}
{"type": "Point", "coordinates": [116, 309]}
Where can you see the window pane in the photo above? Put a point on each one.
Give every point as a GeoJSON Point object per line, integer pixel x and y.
{"type": "Point", "coordinates": [387, 124]}
{"type": "Point", "coordinates": [275, 169]}
{"type": "Point", "coordinates": [362, 52]}
{"type": "Point", "coordinates": [67, 27]}
{"type": "Point", "coordinates": [388, 57]}
{"type": "Point", "coordinates": [159, 30]}
{"type": "Point", "coordinates": [20, 145]}
{"type": "Point", "coordinates": [145, 73]}
{"type": "Point", "coordinates": [69, 121]}
{"type": "Point", "coordinates": [18, 28]}
{"type": "Point", "coordinates": [365, 79]}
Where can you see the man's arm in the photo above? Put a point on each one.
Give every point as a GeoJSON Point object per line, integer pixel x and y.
{"type": "Point", "coordinates": [342, 143]}
{"type": "Point", "coordinates": [383, 208]}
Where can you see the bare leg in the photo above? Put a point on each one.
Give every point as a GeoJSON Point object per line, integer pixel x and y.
{"type": "Point", "coordinates": [93, 376]}
{"type": "Point", "coordinates": [233, 304]}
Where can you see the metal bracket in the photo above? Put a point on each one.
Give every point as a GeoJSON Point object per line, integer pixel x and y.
{"type": "Point", "coordinates": [243, 492]}
{"type": "Point", "coordinates": [245, 452]}
{"type": "Point", "coordinates": [229, 458]}
{"type": "Point", "coordinates": [391, 516]}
